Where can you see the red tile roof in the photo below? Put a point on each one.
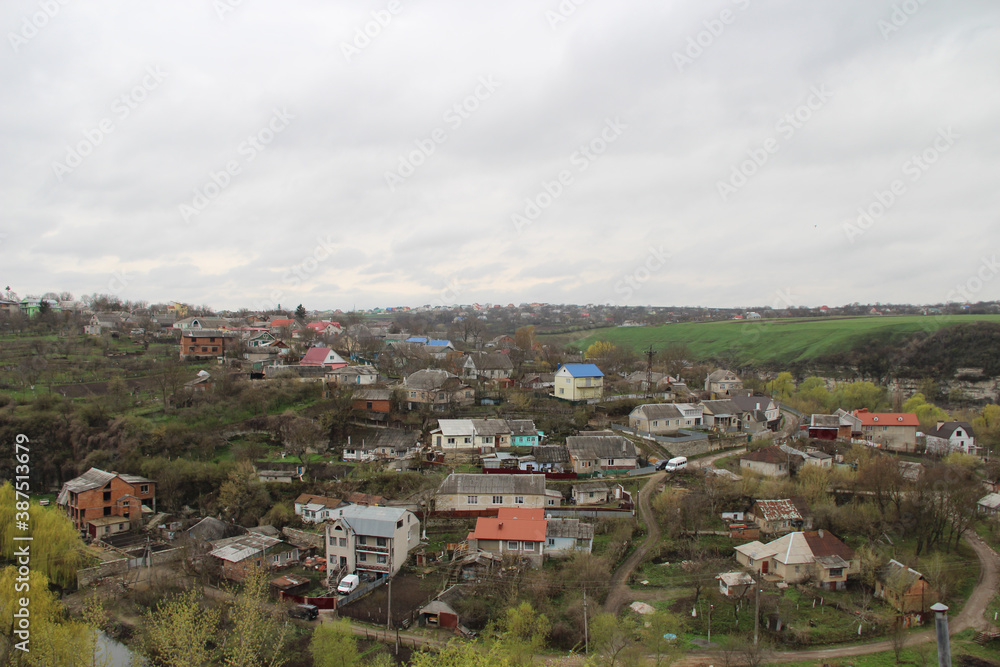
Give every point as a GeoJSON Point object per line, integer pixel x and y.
{"type": "Point", "coordinates": [824, 543]}
{"type": "Point", "coordinates": [281, 323]}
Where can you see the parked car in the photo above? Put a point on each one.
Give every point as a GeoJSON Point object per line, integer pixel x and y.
{"type": "Point", "coordinates": [306, 612]}
{"type": "Point", "coordinates": [348, 584]}
{"type": "Point", "coordinates": [675, 464]}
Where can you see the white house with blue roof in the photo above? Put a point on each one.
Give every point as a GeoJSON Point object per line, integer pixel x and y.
{"type": "Point", "coordinates": [578, 382]}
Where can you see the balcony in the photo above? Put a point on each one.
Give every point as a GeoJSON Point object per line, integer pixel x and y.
{"type": "Point", "coordinates": [371, 548]}
{"type": "Point", "coordinates": [372, 567]}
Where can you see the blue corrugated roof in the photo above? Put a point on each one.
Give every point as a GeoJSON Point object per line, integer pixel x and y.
{"type": "Point", "coordinates": [583, 370]}
{"type": "Point", "coordinates": [443, 343]}
{"type": "Point", "coordinates": [416, 339]}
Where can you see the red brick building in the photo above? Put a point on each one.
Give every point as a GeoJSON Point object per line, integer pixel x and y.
{"type": "Point", "coordinates": [96, 494]}
{"type": "Point", "coordinates": [206, 343]}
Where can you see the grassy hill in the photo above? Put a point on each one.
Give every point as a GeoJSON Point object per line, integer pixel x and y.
{"type": "Point", "coordinates": [779, 340]}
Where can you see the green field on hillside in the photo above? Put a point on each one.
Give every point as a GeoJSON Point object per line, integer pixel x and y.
{"type": "Point", "coordinates": [777, 340]}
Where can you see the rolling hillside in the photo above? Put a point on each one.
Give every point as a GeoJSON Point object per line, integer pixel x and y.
{"type": "Point", "coordinates": [780, 341]}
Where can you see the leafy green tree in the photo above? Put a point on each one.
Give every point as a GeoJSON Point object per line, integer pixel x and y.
{"type": "Point", "coordinates": [259, 633]}
{"type": "Point", "coordinates": [655, 638]}
{"type": "Point", "coordinates": [612, 640]}
{"type": "Point", "coordinates": [857, 395]}
{"type": "Point", "coordinates": [522, 632]}
{"type": "Point", "coordinates": [55, 542]}
{"type": "Point", "coordinates": [463, 655]}
{"type": "Point", "coordinates": [781, 387]}
{"type": "Point", "coordinates": [927, 413]}
{"type": "Point", "coordinates": [333, 644]}
{"type": "Point", "coordinates": [180, 632]}
{"type": "Point", "coordinates": [243, 497]}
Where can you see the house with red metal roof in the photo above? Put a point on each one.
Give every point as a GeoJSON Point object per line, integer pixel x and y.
{"type": "Point", "coordinates": [322, 356]}
{"type": "Point", "coordinates": [895, 431]}
{"type": "Point", "coordinates": [814, 555]}
{"type": "Point", "coordinates": [516, 531]}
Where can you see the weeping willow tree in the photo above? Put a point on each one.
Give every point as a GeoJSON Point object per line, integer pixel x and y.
{"type": "Point", "coordinates": [56, 548]}
{"type": "Point", "coordinates": [52, 638]}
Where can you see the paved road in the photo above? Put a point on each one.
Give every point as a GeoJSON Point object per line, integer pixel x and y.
{"type": "Point", "coordinates": [619, 592]}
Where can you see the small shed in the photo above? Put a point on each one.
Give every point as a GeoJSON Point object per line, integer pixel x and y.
{"type": "Point", "coordinates": [590, 493]}
{"type": "Point", "coordinates": [440, 612]}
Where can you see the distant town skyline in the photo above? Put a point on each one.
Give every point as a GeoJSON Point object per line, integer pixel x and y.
{"type": "Point", "coordinates": [738, 154]}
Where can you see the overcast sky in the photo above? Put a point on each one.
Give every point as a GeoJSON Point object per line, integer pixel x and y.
{"type": "Point", "coordinates": [360, 154]}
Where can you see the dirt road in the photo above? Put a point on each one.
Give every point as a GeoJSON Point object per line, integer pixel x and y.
{"type": "Point", "coordinates": [619, 592]}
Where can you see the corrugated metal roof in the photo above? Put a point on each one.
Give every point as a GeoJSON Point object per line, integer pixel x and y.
{"type": "Point", "coordinates": [583, 370]}
{"type": "Point", "coordinates": [374, 521]}
{"type": "Point", "coordinates": [475, 483]}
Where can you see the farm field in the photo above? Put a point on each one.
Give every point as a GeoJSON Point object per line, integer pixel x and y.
{"type": "Point", "coordinates": [776, 340]}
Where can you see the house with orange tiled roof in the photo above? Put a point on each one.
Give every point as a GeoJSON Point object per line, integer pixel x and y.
{"type": "Point", "coordinates": [895, 431]}
{"type": "Point", "coordinates": [515, 531]}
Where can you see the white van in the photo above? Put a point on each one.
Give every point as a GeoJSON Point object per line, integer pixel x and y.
{"type": "Point", "coordinates": [348, 584]}
{"type": "Point", "coordinates": [676, 463]}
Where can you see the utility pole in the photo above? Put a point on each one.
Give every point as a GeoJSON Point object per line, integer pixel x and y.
{"type": "Point", "coordinates": [649, 370]}
{"type": "Point", "coordinates": [586, 636]}
{"type": "Point", "coordinates": [941, 629]}
{"type": "Point", "coordinates": [388, 607]}
{"type": "Point", "coordinates": [710, 608]}
{"type": "Point", "coordinates": [756, 613]}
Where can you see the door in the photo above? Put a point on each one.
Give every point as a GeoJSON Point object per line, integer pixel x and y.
{"type": "Point", "coordinates": [763, 567]}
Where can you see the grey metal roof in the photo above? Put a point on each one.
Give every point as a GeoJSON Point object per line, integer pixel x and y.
{"type": "Point", "coordinates": [752, 402]}
{"type": "Point", "coordinates": [659, 411]}
{"type": "Point", "coordinates": [375, 521]}
{"type": "Point", "coordinates": [825, 421]}
{"type": "Point", "coordinates": [522, 427]}
{"type": "Point", "coordinates": [462, 483]}
{"type": "Point", "coordinates": [565, 527]}
{"type": "Point", "coordinates": [551, 454]}
{"type": "Point", "coordinates": [490, 427]}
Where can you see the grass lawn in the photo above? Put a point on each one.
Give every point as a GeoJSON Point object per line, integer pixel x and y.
{"type": "Point", "coordinates": [776, 340]}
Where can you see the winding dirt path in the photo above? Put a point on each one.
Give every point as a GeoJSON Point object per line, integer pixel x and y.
{"type": "Point", "coordinates": [619, 591]}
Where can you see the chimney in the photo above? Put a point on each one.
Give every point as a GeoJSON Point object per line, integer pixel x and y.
{"type": "Point", "coordinates": [820, 532]}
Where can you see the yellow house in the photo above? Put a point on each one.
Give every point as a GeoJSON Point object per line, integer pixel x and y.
{"type": "Point", "coordinates": [578, 382]}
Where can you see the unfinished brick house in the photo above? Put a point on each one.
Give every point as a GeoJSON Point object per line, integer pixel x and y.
{"type": "Point", "coordinates": [96, 494]}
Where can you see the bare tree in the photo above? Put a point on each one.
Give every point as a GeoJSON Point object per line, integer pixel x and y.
{"type": "Point", "coordinates": [897, 637]}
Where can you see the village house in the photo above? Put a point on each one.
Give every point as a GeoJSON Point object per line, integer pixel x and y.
{"type": "Point", "coordinates": [948, 437]}
{"type": "Point", "coordinates": [770, 462]}
{"type": "Point", "coordinates": [238, 554]}
{"type": "Point", "coordinates": [735, 584]}
{"type": "Point", "coordinates": [97, 494]}
{"type": "Point", "coordinates": [538, 381]}
{"type": "Point", "coordinates": [660, 418]}
{"type": "Point", "coordinates": [723, 383]}
{"type": "Point", "coordinates": [518, 532]}
{"type": "Point", "coordinates": [374, 404]}
{"type": "Point", "coordinates": [206, 343]}
{"type": "Point", "coordinates": [578, 382]}
{"type": "Point", "coordinates": [484, 366]}
{"type": "Point", "coordinates": [895, 431]}
{"type": "Point", "coordinates": [780, 516]}
{"type": "Point", "coordinates": [989, 504]}
{"type": "Point", "coordinates": [639, 381]}
{"type": "Point", "coordinates": [758, 410]}
{"type": "Point", "coordinates": [317, 509]}
{"type": "Point", "coordinates": [437, 388]}
{"type": "Point", "coordinates": [824, 427]}
{"type": "Point", "coordinates": [600, 453]}
{"type": "Point", "coordinates": [797, 557]}
{"type": "Point", "coordinates": [353, 375]}
{"type": "Point", "coordinates": [323, 357]}
{"type": "Point", "coordinates": [382, 444]}
{"type": "Point", "coordinates": [590, 493]}
{"type": "Point", "coordinates": [104, 323]}
{"type": "Point", "coordinates": [484, 435]}
{"type": "Point", "coordinates": [564, 536]}
{"type": "Point", "coordinates": [472, 491]}
{"type": "Point", "coordinates": [202, 322]}
{"type": "Point", "coordinates": [370, 539]}
{"type": "Point", "coordinates": [546, 458]}
{"type": "Point", "coordinates": [523, 433]}
{"type": "Point", "coordinates": [904, 588]}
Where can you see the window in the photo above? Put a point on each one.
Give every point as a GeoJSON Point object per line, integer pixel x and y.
{"type": "Point", "coordinates": [451, 441]}
{"type": "Point", "coordinates": [215, 349]}
{"type": "Point", "coordinates": [472, 500]}
{"type": "Point", "coordinates": [498, 500]}
{"type": "Point", "coordinates": [381, 559]}
{"type": "Point", "coordinates": [381, 541]}
{"type": "Point", "coordinates": [363, 557]}
{"type": "Point", "coordinates": [528, 546]}
{"type": "Point", "coordinates": [368, 405]}
{"type": "Point", "coordinates": [144, 488]}
{"type": "Point", "coordinates": [468, 440]}
{"type": "Point", "coordinates": [552, 541]}
{"type": "Point", "coordinates": [837, 572]}
{"type": "Point", "coordinates": [561, 391]}
{"type": "Point", "coordinates": [518, 500]}
{"type": "Point", "coordinates": [107, 511]}
{"type": "Point", "coordinates": [107, 496]}
{"type": "Point", "coordinates": [413, 394]}
{"type": "Point", "coordinates": [343, 542]}
{"type": "Point", "coordinates": [362, 540]}
{"type": "Point", "coordinates": [512, 545]}
{"type": "Point", "coordinates": [204, 349]}
{"type": "Point", "coordinates": [211, 340]}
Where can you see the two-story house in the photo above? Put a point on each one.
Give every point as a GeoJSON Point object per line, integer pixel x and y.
{"type": "Point", "coordinates": [578, 382]}
{"type": "Point", "coordinates": [370, 539]}
{"type": "Point", "coordinates": [206, 343]}
{"type": "Point", "coordinates": [950, 437]}
{"type": "Point", "coordinates": [723, 383]}
{"type": "Point", "coordinates": [317, 509]}
{"type": "Point", "coordinates": [895, 431]}
{"type": "Point", "coordinates": [96, 494]}
{"type": "Point", "coordinates": [437, 388]}
{"type": "Point", "coordinates": [518, 532]}
{"type": "Point", "coordinates": [486, 366]}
